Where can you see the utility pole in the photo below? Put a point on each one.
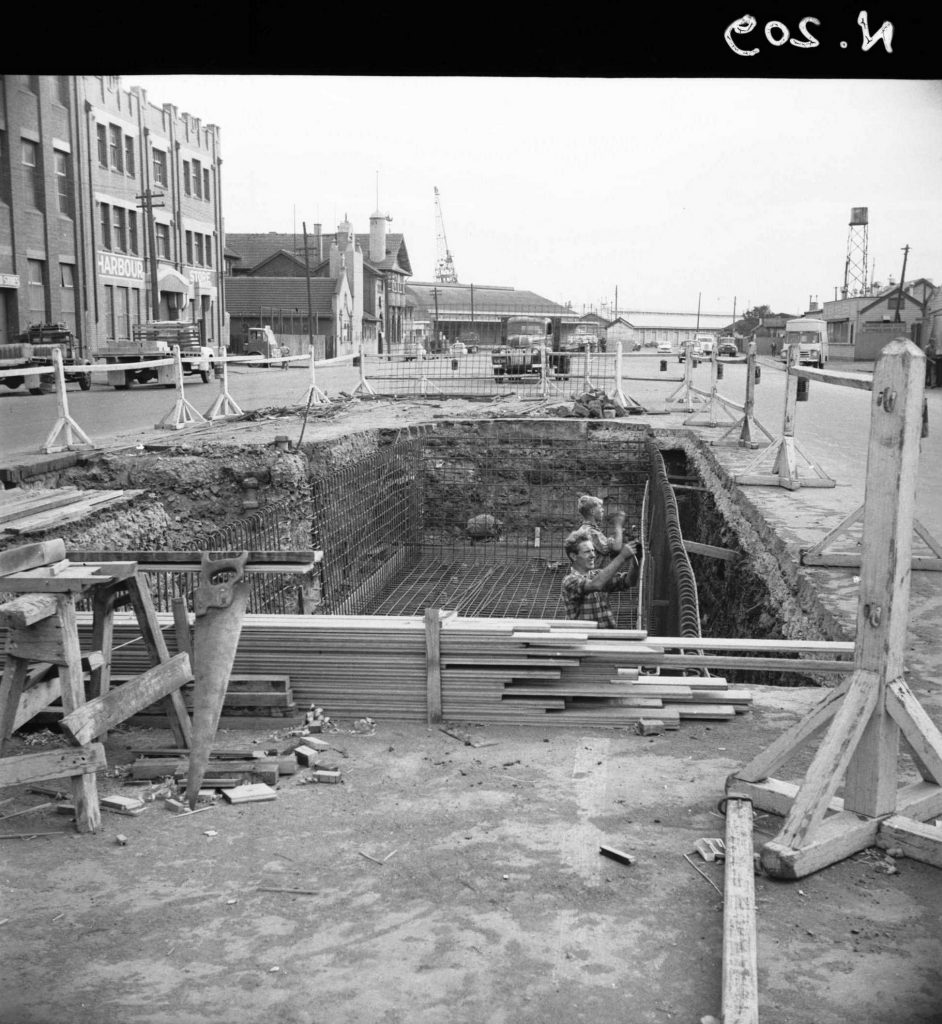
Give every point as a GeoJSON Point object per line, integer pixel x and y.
{"type": "Point", "coordinates": [147, 205]}
{"type": "Point", "coordinates": [433, 341]}
{"type": "Point", "coordinates": [307, 274]}
{"type": "Point", "coordinates": [902, 278]}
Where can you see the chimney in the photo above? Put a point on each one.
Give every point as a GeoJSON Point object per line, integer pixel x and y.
{"type": "Point", "coordinates": [378, 237]}
{"type": "Point", "coordinates": [318, 242]}
{"type": "Point", "coordinates": [335, 262]}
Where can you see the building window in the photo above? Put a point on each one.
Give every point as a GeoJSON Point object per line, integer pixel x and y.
{"type": "Point", "coordinates": [36, 276]}
{"type": "Point", "coordinates": [209, 251]}
{"type": "Point", "coordinates": [105, 226]}
{"type": "Point", "coordinates": [163, 241]}
{"type": "Point", "coordinates": [109, 312]}
{"type": "Point", "coordinates": [189, 247]}
{"type": "Point", "coordinates": [199, 249]}
{"type": "Point", "coordinates": [102, 145]}
{"type": "Point", "coordinates": [31, 173]}
{"type": "Point", "coordinates": [206, 184]}
{"type": "Point", "coordinates": [117, 149]}
{"type": "Point", "coordinates": [160, 167]}
{"type": "Point", "coordinates": [120, 229]}
{"type": "Point", "coordinates": [197, 180]}
{"type": "Point", "coordinates": [64, 183]}
{"type": "Point", "coordinates": [129, 154]}
{"type": "Point", "coordinates": [122, 313]}
{"type": "Point", "coordinates": [136, 302]}
{"type": "Point", "coordinates": [133, 246]}
{"type": "Point", "coordinates": [62, 89]}
{"type": "Point", "coordinates": [186, 178]}
{"type": "Point", "coordinates": [67, 275]}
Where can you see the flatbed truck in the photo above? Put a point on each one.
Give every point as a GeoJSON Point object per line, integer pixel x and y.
{"type": "Point", "coordinates": [34, 349]}
{"type": "Point", "coordinates": [155, 340]}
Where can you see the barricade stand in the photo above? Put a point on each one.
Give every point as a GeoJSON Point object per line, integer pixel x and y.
{"type": "Point", "coordinates": [784, 471]}
{"type": "Point", "coordinates": [817, 555]}
{"type": "Point", "coordinates": [64, 424]}
{"type": "Point", "coordinates": [225, 405]}
{"type": "Point", "coordinates": [425, 383]}
{"type": "Point", "coordinates": [748, 425]}
{"type": "Point", "coordinates": [545, 383]}
{"type": "Point", "coordinates": [714, 400]}
{"type": "Point", "coordinates": [868, 712]}
{"type": "Point", "coordinates": [363, 385]}
{"type": "Point", "coordinates": [314, 394]}
{"type": "Point", "coordinates": [183, 412]}
{"type": "Point", "coordinates": [686, 392]}
{"type": "Point", "coordinates": [618, 395]}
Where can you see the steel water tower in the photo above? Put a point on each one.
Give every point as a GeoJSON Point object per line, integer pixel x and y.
{"type": "Point", "coordinates": [855, 266]}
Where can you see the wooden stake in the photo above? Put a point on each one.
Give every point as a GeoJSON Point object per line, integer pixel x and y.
{"type": "Point", "coordinates": [740, 953]}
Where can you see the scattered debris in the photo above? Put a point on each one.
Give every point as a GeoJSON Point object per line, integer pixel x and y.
{"type": "Point", "coordinates": [130, 805]}
{"type": "Point", "coordinates": [293, 892]}
{"type": "Point", "coordinates": [121, 840]}
{"type": "Point", "coordinates": [26, 810]}
{"type": "Point", "coordinates": [250, 793]}
{"type": "Point", "coordinates": [210, 832]}
{"type": "Point", "coordinates": [483, 527]}
{"type": "Point", "coordinates": [619, 855]}
{"type": "Point", "coordinates": [325, 775]}
{"type": "Point", "coordinates": [711, 849]}
{"type": "Point", "coordinates": [701, 874]}
{"type": "Point", "coordinates": [650, 726]}
{"type": "Point", "coordinates": [465, 737]}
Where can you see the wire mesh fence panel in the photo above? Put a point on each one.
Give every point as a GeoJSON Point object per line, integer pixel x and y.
{"type": "Point", "coordinates": [366, 521]}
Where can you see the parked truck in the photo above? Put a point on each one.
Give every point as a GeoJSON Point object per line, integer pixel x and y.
{"type": "Point", "coordinates": [810, 334]}
{"type": "Point", "coordinates": [33, 349]}
{"type": "Point", "coordinates": [155, 340]}
{"type": "Point", "coordinates": [522, 339]}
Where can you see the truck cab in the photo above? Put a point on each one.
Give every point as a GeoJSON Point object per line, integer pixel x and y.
{"type": "Point", "coordinates": [707, 344]}
{"type": "Point", "coordinates": [261, 341]}
{"type": "Point", "coordinates": [810, 334]}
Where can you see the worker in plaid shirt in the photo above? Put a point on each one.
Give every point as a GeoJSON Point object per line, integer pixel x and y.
{"type": "Point", "coordinates": [586, 589]}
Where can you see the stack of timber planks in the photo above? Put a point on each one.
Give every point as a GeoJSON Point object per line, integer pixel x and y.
{"type": "Point", "coordinates": [530, 672]}
{"type": "Point", "coordinates": [38, 510]}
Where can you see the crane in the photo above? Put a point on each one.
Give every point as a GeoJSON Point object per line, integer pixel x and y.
{"type": "Point", "coordinates": [444, 264]}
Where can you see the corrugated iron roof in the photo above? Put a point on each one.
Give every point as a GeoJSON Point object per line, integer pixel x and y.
{"type": "Point", "coordinates": [676, 321]}
{"type": "Point", "coordinates": [457, 299]}
{"type": "Point", "coordinates": [246, 295]}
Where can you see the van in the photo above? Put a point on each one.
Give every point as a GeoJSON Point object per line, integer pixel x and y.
{"type": "Point", "coordinates": [810, 334]}
{"type": "Point", "coordinates": [707, 343]}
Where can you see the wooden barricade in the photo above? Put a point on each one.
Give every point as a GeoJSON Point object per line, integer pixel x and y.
{"type": "Point", "coordinates": [867, 716]}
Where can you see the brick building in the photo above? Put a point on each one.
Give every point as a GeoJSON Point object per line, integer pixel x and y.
{"type": "Point", "coordinates": [77, 154]}
{"type": "Point", "coordinates": [376, 266]}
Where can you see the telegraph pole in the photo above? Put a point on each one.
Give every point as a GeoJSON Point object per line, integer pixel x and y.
{"type": "Point", "coordinates": [902, 278]}
{"type": "Point", "coordinates": [147, 205]}
{"type": "Point", "coordinates": [307, 274]}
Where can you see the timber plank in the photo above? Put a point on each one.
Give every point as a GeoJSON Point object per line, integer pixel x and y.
{"type": "Point", "coordinates": [52, 764]}
{"type": "Point", "coordinates": [119, 704]}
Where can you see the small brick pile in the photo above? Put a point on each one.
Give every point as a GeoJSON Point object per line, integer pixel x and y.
{"type": "Point", "coordinates": [591, 404]}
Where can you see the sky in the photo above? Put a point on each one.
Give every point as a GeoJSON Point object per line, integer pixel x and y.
{"type": "Point", "coordinates": [670, 192]}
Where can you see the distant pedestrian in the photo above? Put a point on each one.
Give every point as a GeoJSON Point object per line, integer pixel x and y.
{"type": "Point", "coordinates": [932, 364]}
{"type": "Point", "coordinates": [586, 588]}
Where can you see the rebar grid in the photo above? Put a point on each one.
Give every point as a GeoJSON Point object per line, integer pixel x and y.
{"type": "Point", "coordinates": [490, 590]}
{"type": "Point", "coordinates": [270, 528]}
{"type": "Point", "coordinates": [366, 521]}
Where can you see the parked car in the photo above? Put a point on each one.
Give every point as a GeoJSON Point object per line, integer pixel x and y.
{"type": "Point", "coordinates": [664, 348]}
{"type": "Point", "coordinates": [471, 340]}
{"type": "Point", "coordinates": [727, 348]}
{"type": "Point", "coordinates": [695, 350]}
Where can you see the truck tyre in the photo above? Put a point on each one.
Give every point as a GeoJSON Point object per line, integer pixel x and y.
{"type": "Point", "coordinates": [35, 391]}
{"type": "Point", "coordinates": [12, 382]}
{"type": "Point", "coordinates": [85, 381]}
{"type": "Point", "coordinates": [205, 375]}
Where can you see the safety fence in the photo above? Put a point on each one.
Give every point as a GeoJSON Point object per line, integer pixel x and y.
{"type": "Point", "coordinates": [536, 374]}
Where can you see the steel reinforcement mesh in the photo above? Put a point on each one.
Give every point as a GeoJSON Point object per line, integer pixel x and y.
{"type": "Point", "coordinates": [473, 518]}
{"type": "Point", "coordinates": [272, 528]}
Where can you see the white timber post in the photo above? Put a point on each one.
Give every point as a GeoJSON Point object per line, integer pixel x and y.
{"type": "Point", "coordinates": [64, 424]}
{"type": "Point", "coordinates": [183, 412]}
{"type": "Point", "coordinates": [225, 404]}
